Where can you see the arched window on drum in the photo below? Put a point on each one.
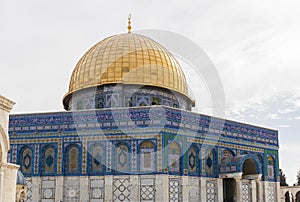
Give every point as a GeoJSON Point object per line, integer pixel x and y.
{"type": "Point", "coordinates": [147, 157]}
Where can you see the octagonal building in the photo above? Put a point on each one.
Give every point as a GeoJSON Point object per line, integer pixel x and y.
{"type": "Point", "coordinates": [128, 134]}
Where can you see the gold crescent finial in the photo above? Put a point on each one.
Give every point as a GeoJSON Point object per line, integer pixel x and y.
{"type": "Point", "coordinates": [129, 23]}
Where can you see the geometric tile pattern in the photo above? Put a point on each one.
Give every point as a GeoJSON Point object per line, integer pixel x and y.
{"type": "Point", "coordinates": [147, 190]}
{"type": "Point", "coordinates": [134, 156]}
{"type": "Point", "coordinates": [29, 190]}
{"type": "Point", "coordinates": [36, 159]}
{"type": "Point", "coordinates": [194, 190]}
{"type": "Point", "coordinates": [71, 189]}
{"type": "Point", "coordinates": [210, 191]}
{"type": "Point", "coordinates": [108, 156]}
{"type": "Point", "coordinates": [121, 189]}
{"type": "Point", "coordinates": [175, 192]}
{"type": "Point", "coordinates": [96, 190]}
{"type": "Point", "coordinates": [271, 192]}
{"type": "Point", "coordinates": [246, 192]}
{"type": "Point", "coordinates": [48, 190]}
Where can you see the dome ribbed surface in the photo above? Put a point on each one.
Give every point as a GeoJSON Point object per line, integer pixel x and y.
{"type": "Point", "coordinates": [129, 59]}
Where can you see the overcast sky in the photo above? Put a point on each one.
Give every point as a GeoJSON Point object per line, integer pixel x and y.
{"type": "Point", "coordinates": [254, 45]}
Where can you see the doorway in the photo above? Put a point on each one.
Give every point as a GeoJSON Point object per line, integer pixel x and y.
{"type": "Point", "coordinates": [228, 190]}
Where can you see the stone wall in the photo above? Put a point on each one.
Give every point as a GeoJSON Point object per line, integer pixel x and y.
{"type": "Point", "coordinates": [143, 188]}
{"type": "Point", "coordinates": [8, 172]}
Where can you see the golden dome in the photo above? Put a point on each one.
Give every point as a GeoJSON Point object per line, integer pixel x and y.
{"type": "Point", "coordinates": [128, 59]}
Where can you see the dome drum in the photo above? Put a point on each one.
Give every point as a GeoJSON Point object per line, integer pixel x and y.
{"type": "Point", "coordinates": [112, 96]}
{"type": "Point", "coordinates": [132, 61]}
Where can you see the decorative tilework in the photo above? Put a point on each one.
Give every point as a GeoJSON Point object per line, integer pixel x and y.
{"type": "Point", "coordinates": [147, 190]}
{"type": "Point", "coordinates": [174, 153]}
{"type": "Point", "coordinates": [108, 158]}
{"type": "Point", "coordinates": [121, 158]}
{"type": "Point", "coordinates": [29, 189]}
{"type": "Point", "coordinates": [193, 160]}
{"type": "Point", "coordinates": [134, 156]}
{"type": "Point", "coordinates": [14, 154]}
{"type": "Point", "coordinates": [147, 156]}
{"type": "Point", "coordinates": [121, 189]}
{"type": "Point", "coordinates": [48, 160]}
{"type": "Point", "coordinates": [271, 192]}
{"type": "Point", "coordinates": [210, 191]}
{"type": "Point", "coordinates": [194, 189]}
{"type": "Point", "coordinates": [36, 159]}
{"type": "Point", "coordinates": [59, 156]}
{"type": "Point", "coordinates": [210, 162]}
{"type": "Point", "coordinates": [48, 190]}
{"type": "Point", "coordinates": [84, 156]}
{"type": "Point", "coordinates": [159, 153]}
{"type": "Point", "coordinates": [72, 164]}
{"type": "Point", "coordinates": [71, 189]}
{"type": "Point", "coordinates": [64, 121]}
{"type": "Point", "coordinates": [175, 190]}
{"type": "Point", "coordinates": [245, 192]}
{"type": "Point", "coordinates": [117, 125]}
{"type": "Point", "coordinates": [26, 159]}
{"type": "Point", "coordinates": [96, 190]}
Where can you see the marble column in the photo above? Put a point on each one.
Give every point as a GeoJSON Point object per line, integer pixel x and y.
{"type": "Point", "coordinates": [135, 188]}
{"type": "Point", "coordinates": [203, 189]}
{"type": "Point", "coordinates": [220, 189]}
{"type": "Point", "coordinates": [238, 184]}
{"type": "Point", "coordinates": [59, 188]}
{"type": "Point", "coordinates": [162, 188]}
{"type": "Point", "coordinates": [108, 188]}
{"type": "Point", "coordinates": [185, 188]}
{"type": "Point", "coordinates": [84, 189]}
{"type": "Point", "coordinates": [253, 190]}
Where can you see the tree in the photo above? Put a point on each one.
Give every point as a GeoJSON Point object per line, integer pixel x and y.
{"type": "Point", "coordinates": [283, 178]}
{"type": "Point", "coordinates": [298, 178]}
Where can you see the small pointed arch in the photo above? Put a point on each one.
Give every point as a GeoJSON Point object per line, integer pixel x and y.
{"type": "Point", "coordinates": [96, 158]}
{"type": "Point", "coordinates": [174, 158]}
{"type": "Point", "coordinates": [147, 156]}
{"type": "Point", "coordinates": [121, 157]}
{"type": "Point", "coordinates": [193, 160]}
{"type": "Point", "coordinates": [72, 159]}
{"type": "Point", "coordinates": [26, 160]}
{"type": "Point", "coordinates": [249, 167]}
{"type": "Point", "coordinates": [48, 159]}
